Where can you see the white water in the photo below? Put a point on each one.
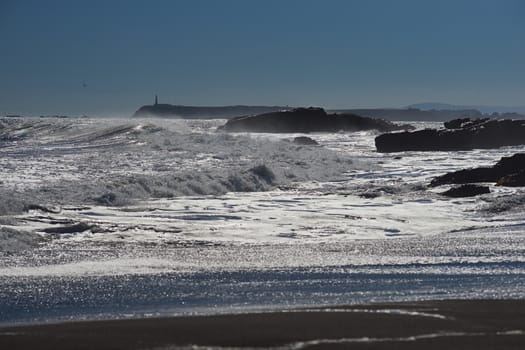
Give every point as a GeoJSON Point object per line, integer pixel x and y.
{"type": "Point", "coordinates": [118, 218]}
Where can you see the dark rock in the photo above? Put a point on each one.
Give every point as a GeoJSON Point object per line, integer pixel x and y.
{"type": "Point", "coordinates": [464, 123]}
{"type": "Point", "coordinates": [508, 171]}
{"type": "Point", "coordinates": [423, 140]}
{"type": "Point", "coordinates": [76, 228]}
{"type": "Point", "coordinates": [305, 140]}
{"type": "Point", "coordinates": [460, 134]}
{"type": "Point", "coordinates": [466, 191]}
{"type": "Point", "coordinates": [466, 176]}
{"type": "Point", "coordinates": [513, 180]}
{"type": "Point", "coordinates": [455, 123]}
{"type": "Point", "coordinates": [305, 120]}
{"type": "Point", "coordinates": [370, 195]}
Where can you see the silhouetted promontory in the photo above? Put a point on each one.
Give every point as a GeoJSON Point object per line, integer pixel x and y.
{"type": "Point", "coordinates": [164, 110]}
{"type": "Point", "coordinates": [304, 120]}
{"type": "Point", "coordinates": [459, 134]}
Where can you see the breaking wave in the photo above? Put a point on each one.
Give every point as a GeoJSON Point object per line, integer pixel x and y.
{"type": "Point", "coordinates": [115, 162]}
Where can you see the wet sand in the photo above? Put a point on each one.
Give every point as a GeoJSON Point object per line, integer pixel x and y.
{"type": "Point", "coordinates": [452, 324]}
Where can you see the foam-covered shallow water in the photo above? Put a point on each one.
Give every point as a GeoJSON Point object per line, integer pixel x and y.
{"type": "Point", "coordinates": [120, 218]}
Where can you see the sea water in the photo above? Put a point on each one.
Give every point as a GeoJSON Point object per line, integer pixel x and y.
{"type": "Point", "coordinates": [113, 218]}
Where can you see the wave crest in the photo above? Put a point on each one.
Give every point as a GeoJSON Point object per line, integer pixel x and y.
{"type": "Point", "coordinates": [115, 162]}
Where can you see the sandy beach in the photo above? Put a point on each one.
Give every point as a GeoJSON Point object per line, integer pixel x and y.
{"type": "Point", "coordinates": [465, 324]}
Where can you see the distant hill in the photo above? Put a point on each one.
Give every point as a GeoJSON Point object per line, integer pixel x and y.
{"type": "Point", "coordinates": [164, 110]}
{"type": "Point", "coordinates": [483, 109]}
{"type": "Point", "coordinates": [412, 114]}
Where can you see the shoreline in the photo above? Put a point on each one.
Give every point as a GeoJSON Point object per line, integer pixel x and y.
{"type": "Point", "coordinates": [434, 324]}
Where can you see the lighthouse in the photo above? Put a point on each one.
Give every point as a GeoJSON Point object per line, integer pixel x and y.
{"type": "Point", "coordinates": [156, 100]}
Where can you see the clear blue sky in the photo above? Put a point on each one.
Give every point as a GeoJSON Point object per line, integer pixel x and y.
{"type": "Point", "coordinates": [328, 53]}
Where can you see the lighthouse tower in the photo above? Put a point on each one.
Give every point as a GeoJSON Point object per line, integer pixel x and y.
{"type": "Point", "coordinates": [156, 100]}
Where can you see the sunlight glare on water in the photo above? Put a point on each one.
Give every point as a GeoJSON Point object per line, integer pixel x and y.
{"type": "Point", "coordinates": [214, 222]}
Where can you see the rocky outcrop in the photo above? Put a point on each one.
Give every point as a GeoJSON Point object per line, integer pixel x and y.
{"type": "Point", "coordinates": [508, 171]}
{"type": "Point", "coordinates": [464, 123]}
{"type": "Point", "coordinates": [513, 180]}
{"type": "Point", "coordinates": [459, 134]}
{"type": "Point", "coordinates": [305, 120]}
{"type": "Point", "coordinates": [468, 190]}
{"type": "Point", "coordinates": [305, 141]}
{"type": "Point", "coordinates": [75, 228]}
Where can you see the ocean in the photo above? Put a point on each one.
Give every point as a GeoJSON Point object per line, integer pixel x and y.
{"type": "Point", "coordinates": [123, 218]}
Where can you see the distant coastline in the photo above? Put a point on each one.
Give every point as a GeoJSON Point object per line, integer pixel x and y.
{"type": "Point", "coordinates": [164, 110]}
{"type": "Point", "coordinates": [438, 112]}
{"type": "Point", "coordinates": [485, 109]}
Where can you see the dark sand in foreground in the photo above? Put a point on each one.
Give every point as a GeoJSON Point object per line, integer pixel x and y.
{"type": "Point", "coordinates": [453, 324]}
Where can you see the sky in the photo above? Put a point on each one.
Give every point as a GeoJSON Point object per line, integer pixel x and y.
{"type": "Point", "coordinates": [109, 57]}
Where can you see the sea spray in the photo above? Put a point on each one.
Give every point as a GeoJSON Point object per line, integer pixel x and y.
{"type": "Point", "coordinates": [116, 162]}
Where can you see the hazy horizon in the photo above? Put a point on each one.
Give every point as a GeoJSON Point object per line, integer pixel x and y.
{"type": "Point", "coordinates": [111, 57]}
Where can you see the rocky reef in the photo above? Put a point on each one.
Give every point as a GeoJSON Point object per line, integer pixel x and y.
{"type": "Point", "coordinates": [508, 171]}
{"type": "Point", "coordinates": [458, 134]}
{"type": "Point", "coordinates": [468, 190]}
{"type": "Point", "coordinates": [305, 141]}
{"type": "Point", "coordinates": [305, 120]}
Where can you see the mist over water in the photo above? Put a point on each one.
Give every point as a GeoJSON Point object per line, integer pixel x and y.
{"type": "Point", "coordinates": [98, 213]}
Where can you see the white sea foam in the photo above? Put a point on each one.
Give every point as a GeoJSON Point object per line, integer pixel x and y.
{"type": "Point", "coordinates": [119, 207]}
{"type": "Point", "coordinates": [12, 240]}
{"type": "Point", "coordinates": [116, 162]}
{"type": "Point", "coordinates": [342, 190]}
